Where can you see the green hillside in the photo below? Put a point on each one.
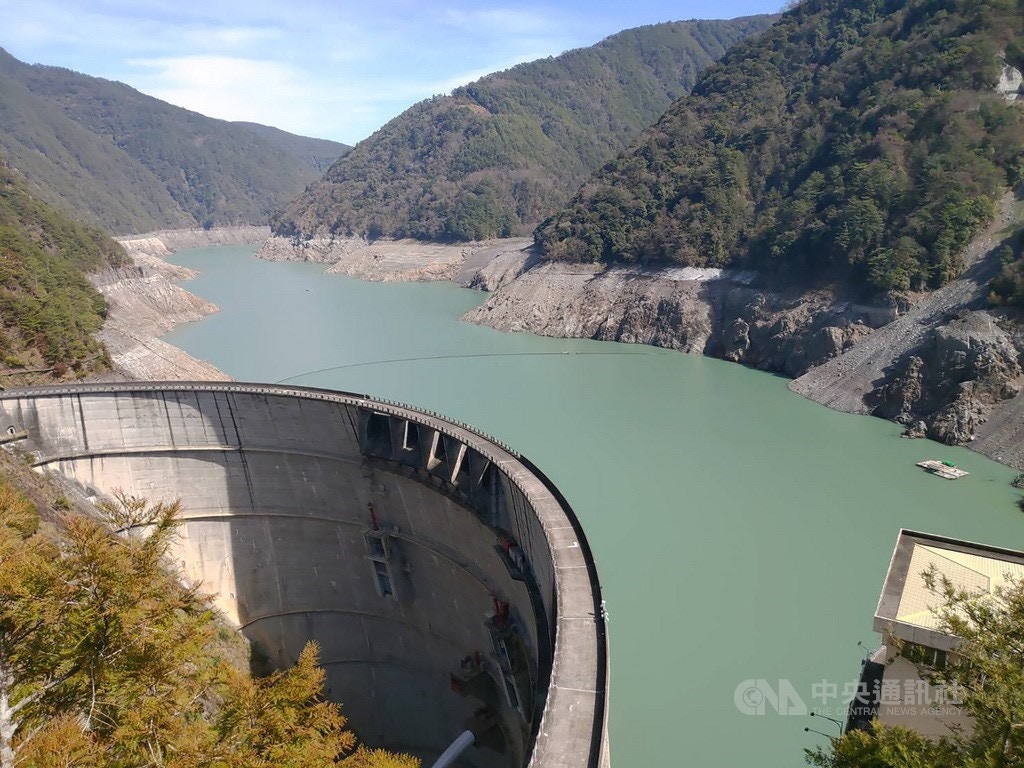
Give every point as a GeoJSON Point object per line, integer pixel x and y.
{"type": "Point", "coordinates": [48, 309]}
{"type": "Point", "coordinates": [860, 140]}
{"type": "Point", "coordinates": [496, 156]}
{"type": "Point", "coordinates": [132, 163]}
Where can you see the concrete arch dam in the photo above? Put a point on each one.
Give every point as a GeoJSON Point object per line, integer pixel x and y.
{"type": "Point", "coordinates": [448, 583]}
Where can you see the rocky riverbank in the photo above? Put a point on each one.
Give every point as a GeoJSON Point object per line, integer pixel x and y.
{"type": "Point", "coordinates": [701, 311]}
{"type": "Point", "coordinates": [391, 261]}
{"type": "Point", "coordinates": [943, 363]}
{"type": "Point", "coordinates": [948, 368]}
{"type": "Point", "coordinates": [166, 241]}
{"type": "Point", "coordinates": [145, 302]}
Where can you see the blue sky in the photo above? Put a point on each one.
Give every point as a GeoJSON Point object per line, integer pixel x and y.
{"type": "Point", "coordinates": [337, 70]}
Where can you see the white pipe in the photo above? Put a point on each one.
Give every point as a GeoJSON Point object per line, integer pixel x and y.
{"type": "Point", "coordinates": [460, 745]}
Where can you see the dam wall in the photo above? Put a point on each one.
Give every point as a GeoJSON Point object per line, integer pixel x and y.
{"type": "Point", "coordinates": [446, 580]}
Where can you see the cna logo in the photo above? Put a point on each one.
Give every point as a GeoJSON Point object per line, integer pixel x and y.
{"type": "Point", "coordinates": [758, 697]}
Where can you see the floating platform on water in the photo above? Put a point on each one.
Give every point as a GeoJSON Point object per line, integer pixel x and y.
{"type": "Point", "coordinates": [943, 469]}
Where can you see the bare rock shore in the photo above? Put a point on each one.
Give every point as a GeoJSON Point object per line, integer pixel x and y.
{"type": "Point", "coordinates": [166, 241]}
{"type": "Point", "coordinates": [145, 302]}
{"type": "Point", "coordinates": [948, 368]}
{"type": "Point", "coordinates": [701, 311]}
{"type": "Point", "coordinates": [943, 364]}
{"type": "Point", "coordinates": [391, 261]}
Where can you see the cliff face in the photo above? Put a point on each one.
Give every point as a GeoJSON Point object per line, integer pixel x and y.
{"type": "Point", "coordinates": [942, 363]}
{"type": "Point", "coordinates": [702, 311]}
{"type": "Point", "coordinates": [948, 386]}
{"type": "Point", "coordinates": [144, 302]}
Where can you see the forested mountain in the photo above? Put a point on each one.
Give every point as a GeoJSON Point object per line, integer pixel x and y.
{"type": "Point", "coordinates": [856, 139]}
{"type": "Point", "coordinates": [48, 309]}
{"type": "Point", "coordinates": [496, 156]}
{"type": "Point", "coordinates": [126, 161]}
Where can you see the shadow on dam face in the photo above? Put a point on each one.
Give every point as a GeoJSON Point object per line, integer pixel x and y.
{"type": "Point", "coordinates": [447, 581]}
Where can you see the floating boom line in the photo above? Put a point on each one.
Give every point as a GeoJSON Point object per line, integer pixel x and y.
{"type": "Point", "coordinates": [446, 357]}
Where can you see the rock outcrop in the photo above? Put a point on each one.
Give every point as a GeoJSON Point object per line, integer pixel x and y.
{"type": "Point", "coordinates": [393, 261]}
{"type": "Point", "coordinates": [947, 386]}
{"type": "Point", "coordinates": [1011, 83]}
{"type": "Point", "coordinates": [144, 302]}
{"type": "Point", "coordinates": [698, 311]}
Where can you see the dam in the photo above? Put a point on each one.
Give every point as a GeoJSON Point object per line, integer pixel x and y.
{"type": "Point", "coordinates": [447, 581]}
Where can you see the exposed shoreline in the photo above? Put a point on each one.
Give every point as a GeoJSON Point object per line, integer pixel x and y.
{"type": "Point", "coordinates": [943, 364]}
{"type": "Point", "coordinates": [396, 261]}
{"type": "Point", "coordinates": [145, 302]}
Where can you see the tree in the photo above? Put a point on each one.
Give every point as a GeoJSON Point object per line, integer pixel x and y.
{"type": "Point", "coordinates": [108, 659]}
{"type": "Point", "coordinates": [282, 720]}
{"type": "Point", "coordinates": [988, 672]}
{"type": "Point", "coordinates": [886, 748]}
{"type": "Point", "coordinates": [93, 625]}
{"type": "Point", "coordinates": [379, 758]}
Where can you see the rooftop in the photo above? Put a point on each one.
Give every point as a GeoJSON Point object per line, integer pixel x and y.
{"type": "Point", "coordinates": [905, 608]}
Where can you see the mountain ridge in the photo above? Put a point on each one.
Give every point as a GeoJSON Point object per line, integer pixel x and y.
{"type": "Point", "coordinates": [865, 142]}
{"type": "Point", "coordinates": [129, 162]}
{"type": "Point", "coordinates": [495, 156]}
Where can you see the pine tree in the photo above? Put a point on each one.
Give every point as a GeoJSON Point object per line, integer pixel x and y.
{"type": "Point", "coordinates": [365, 757]}
{"type": "Point", "coordinates": [282, 720]}
{"type": "Point", "coordinates": [108, 659]}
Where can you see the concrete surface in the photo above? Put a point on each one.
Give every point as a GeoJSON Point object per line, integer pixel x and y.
{"type": "Point", "coordinates": [276, 485]}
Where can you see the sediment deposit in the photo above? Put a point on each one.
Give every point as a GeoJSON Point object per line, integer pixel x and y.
{"type": "Point", "coordinates": [389, 261]}
{"type": "Point", "coordinates": [144, 303]}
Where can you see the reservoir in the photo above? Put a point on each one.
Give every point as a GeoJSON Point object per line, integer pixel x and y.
{"type": "Point", "coordinates": [741, 532]}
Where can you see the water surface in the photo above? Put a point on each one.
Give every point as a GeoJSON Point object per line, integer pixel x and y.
{"type": "Point", "coordinates": [740, 531]}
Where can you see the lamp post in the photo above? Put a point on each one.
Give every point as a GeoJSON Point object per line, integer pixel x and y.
{"type": "Point", "coordinates": [811, 730]}
{"type": "Point", "coordinates": [830, 719]}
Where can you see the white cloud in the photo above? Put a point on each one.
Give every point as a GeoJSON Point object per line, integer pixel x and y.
{"type": "Point", "coordinates": [231, 88]}
{"type": "Point", "coordinates": [506, 20]}
{"type": "Point", "coordinates": [219, 38]}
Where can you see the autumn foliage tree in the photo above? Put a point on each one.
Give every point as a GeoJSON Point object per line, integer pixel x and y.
{"type": "Point", "coordinates": [107, 659]}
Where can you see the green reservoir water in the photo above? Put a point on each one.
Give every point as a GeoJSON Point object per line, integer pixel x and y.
{"type": "Point", "coordinates": [741, 532]}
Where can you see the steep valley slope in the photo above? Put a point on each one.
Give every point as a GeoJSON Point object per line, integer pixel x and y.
{"type": "Point", "coordinates": [944, 363]}
{"type": "Point", "coordinates": [831, 202]}
{"type": "Point", "coordinates": [495, 157]}
{"type": "Point", "coordinates": [130, 163]}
